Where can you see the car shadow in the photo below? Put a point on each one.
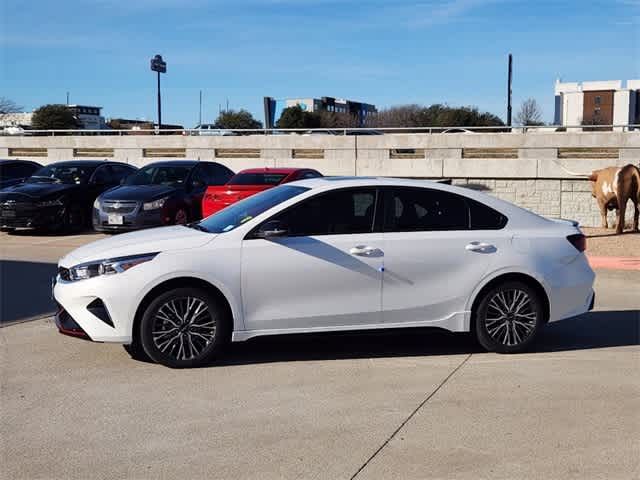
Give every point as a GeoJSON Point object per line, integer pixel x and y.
{"type": "Point", "coordinates": [600, 329]}
{"type": "Point", "coordinates": [25, 290]}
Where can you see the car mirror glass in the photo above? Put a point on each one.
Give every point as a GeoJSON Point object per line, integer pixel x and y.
{"type": "Point", "coordinates": [273, 228]}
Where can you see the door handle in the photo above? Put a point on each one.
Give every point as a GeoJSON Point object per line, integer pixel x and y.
{"type": "Point", "coordinates": [478, 246]}
{"type": "Point", "coordinates": [364, 250]}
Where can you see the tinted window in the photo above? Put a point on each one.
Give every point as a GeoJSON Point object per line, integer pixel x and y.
{"type": "Point", "coordinates": [310, 174]}
{"type": "Point", "coordinates": [61, 173]}
{"type": "Point", "coordinates": [485, 218]}
{"type": "Point", "coordinates": [235, 215]}
{"type": "Point", "coordinates": [422, 209]}
{"type": "Point", "coordinates": [216, 174]}
{"type": "Point", "coordinates": [118, 172]}
{"type": "Point", "coordinates": [334, 213]}
{"type": "Point", "coordinates": [198, 176]}
{"type": "Point", "coordinates": [257, 178]}
{"type": "Point", "coordinates": [103, 176]}
{"type": "Point", "coordinates": [9, 171]}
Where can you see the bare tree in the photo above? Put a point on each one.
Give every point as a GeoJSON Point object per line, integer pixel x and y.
{"type": "Point", "coordinates": [530, 113]}
{"type": "Point", "coordinates": [8, 106]}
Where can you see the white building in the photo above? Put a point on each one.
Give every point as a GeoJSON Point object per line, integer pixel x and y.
{"type": "Point", "coordinates": [20, 119]}
{"type": "Point", "coordinates": [89, 117]}
{"type": "Point", "coordinates": [597, 103]}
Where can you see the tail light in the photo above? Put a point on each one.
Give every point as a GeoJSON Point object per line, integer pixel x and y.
{"type": "Point", "coordinates": [579, 241]}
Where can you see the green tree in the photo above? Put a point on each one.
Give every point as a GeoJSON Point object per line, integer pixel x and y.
{"type": "Point", "coordinates": [241, 119]}
{"type": "Point", "coordinates": [50, 117]}
{"type": "Point", "coordinates": [295, 117]}
{"type": "Point", "coordinates": [437, 115]}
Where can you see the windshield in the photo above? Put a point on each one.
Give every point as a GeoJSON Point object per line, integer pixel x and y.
{"type": "Point", "coordinates": [71, 174]}
{"type": "Point", "coordinates": [235, 215]}
{"type": "Point", "coordinates": [257, 179]}
{"type": "Point", "coordinates": [172, 175]}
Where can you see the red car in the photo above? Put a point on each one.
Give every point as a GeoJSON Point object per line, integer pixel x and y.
{"type": "Point", "coordinates": [249, 182]}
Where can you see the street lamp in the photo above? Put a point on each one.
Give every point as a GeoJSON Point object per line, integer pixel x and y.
{"type": "Point", "coordinates": [160, 66]}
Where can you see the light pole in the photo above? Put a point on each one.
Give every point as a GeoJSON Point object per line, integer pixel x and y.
{"type": "Point", "coordinates": [160, 66]}
{"type": "Point", "coordinates": [509, 90]}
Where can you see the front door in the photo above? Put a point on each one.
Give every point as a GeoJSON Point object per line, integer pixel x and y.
{"type": "Point", "coordinates": [325, 272]}
{"type": "Point", "coordinates": [436, 252]}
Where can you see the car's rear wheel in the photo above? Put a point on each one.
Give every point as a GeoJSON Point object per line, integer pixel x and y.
{"type": "Point", "coordinates": [509, 317]}
{"type": "Point", "coordinates": [185, 327]}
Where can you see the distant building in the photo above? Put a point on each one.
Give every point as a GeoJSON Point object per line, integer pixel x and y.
{"type": "Point", "coordinates": [20, 119]}
{"type": "Point", "coordinates": [597, 103]}
{"type": "Point", "coordinates": [88, 117]}
{"type": "Point", "coordinates": [274, 107]}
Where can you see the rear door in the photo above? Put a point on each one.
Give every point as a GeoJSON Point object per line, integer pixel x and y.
{"type": "Point", "coordinates": [325, 272]}
{"type": "Point", "coordinates": [435, 254]}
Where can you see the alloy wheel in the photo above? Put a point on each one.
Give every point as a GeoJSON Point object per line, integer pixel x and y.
{"type": "Point", "coordinates": [511, 317]}
{"type": "Point", "coordinates": [183, 328]}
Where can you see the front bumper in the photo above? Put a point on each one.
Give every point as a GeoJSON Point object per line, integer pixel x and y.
{"type": "Point", "coordinates": [30, 216]}
{"type": "Point", "coordinates": [136, 220]}
{"type": "Point", "coordinates": [68, 326]}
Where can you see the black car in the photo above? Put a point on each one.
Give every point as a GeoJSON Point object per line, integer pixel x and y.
{"type": "Point", "coordinates": [162, 193]}
{"type": "Point", "coordinates": [60, 195]}
{"type": "Point", "coordinates": [16, 171]}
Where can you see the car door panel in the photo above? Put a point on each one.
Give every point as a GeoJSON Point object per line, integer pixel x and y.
{"type": "Point", "coordinates": [310, 282]}
{"type": "Point", "coordinates": [326, 273]}
{"type": "Point", "coordinates": [432, 268]}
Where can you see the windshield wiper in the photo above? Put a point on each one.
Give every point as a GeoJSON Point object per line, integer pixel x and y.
{"type": "Point", "coordinates": [197, 226]}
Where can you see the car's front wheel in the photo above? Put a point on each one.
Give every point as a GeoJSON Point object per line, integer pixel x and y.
{"type": "Point", "coordinates": [184, 327]}
{"type": "Point", "coordinates": [509, 317]}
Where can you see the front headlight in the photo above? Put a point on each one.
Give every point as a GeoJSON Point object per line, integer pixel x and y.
{"type": "Point", "coordinates": [156, 204]}
{"type": "Point", "coordinates": [109, 266]}
{"type": "Point", "coordinates": [51, 203]}
{"type": "Point", "coordinates": [96, 204]}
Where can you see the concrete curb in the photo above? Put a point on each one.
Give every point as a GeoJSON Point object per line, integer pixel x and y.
{"type": "Point", "coordinates": [615, 263]}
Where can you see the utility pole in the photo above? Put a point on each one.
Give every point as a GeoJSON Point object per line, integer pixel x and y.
{"type": "Point", "coordinates": [200, 114]}
{"type": "Point", "coordinates": [509, 90]}
{"type": "Point", "coordinates": [160, 66]}
{"type": "Point", "coordinates": [67, 99]}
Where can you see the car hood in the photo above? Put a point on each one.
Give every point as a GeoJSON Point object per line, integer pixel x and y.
{"type": "Point", "coordinates": [145, 241]}
{"type": "Point", "coordinates": [35, 191]}
{"type": "Point", "coordinates": [144, 193]}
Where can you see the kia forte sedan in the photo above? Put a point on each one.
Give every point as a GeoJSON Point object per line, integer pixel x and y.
{"type": "Point", "coordinates": [329, 254]}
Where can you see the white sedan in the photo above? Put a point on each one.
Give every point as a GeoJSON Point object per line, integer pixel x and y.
{"type": "Point", "coordinates": [328, 254]}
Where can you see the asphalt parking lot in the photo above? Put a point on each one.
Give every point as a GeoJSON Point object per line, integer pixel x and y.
{"type": "Point", "coordinates": [403, 404]}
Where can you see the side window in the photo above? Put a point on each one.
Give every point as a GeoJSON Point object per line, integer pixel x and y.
{"type": "Point", "coordinates": [27, 169]}
{"type": "Point", "coordinates": [484, 217]}
{"type": "Point", "coordinates": [118, 172]}
{"type": "Point", "coordinates": [422, 209]}
{"type": "Point", "coordinates": [198, 175]}
{"type": "Point", "coordinates": [223, 174]}
{"type": "Point", "coordinates": [216, 174]}
{"type": "Point", "coordinates": [10, 171]}
{"type": "Point", "coordinates": [102, 175]}
{"type": "Point", "coordinates": [335, 213]}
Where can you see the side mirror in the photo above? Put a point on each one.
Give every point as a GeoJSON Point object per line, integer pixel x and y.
{"type": "Point", "coordinates": [196, 184]}
{"type": "Point", "coordinates": [273, 228]}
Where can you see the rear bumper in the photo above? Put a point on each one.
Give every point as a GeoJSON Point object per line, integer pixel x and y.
{"type": "Point", "coordinates": [571, 289]}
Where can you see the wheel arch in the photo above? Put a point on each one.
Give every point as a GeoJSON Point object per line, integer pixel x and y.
{"type": "Point", "coordinates": [500, 278]}
{"type": "Point", "coordinates": [180, 282]}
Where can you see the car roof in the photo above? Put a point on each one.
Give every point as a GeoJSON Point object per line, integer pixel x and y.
{"type": "Point", "coordinates": [85, 163]}
{"type": "Point", "coordinates": [176, 163]}
{"type": "Point", "coordinates": [286, 171]}
{"type": "Point", "coordinates": [15, 160]}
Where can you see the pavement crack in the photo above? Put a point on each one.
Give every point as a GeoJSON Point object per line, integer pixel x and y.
{"type": "Point", "coordinates": [411, 415]}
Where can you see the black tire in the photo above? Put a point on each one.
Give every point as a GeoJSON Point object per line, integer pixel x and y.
{"type": "Point", "coordinates": [188, 343]}
{"type": "Point", "coordinates": [509, 317]}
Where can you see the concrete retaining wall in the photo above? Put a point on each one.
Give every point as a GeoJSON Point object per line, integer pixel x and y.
{"type": "Point", "coordinates": [529, 169]}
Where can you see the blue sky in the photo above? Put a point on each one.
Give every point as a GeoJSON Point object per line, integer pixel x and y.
{"type": "Point", "coordinates": [383, 52]}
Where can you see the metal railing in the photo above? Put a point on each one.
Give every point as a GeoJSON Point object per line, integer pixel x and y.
{"type": "Point", "coordinates": [332, 131]}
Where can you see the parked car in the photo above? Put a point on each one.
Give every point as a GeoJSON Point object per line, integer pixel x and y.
{"type": "Point", "coordinates": [59, 196]}
{"type": "Point", "coordinates": [209, 129]}
{"type": "Point", "coordinates": [249, 182]}
{"type": "Point", "coordinates": [162, 193]}
{"type": "Point", "coordinates": [13, 172]}
{"type": "Point", "coordinates": [13, 130]}
{"type": "Point", "coordinates": [329, 254]}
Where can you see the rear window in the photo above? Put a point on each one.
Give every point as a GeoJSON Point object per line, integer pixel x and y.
{"type": "Point", "coordinates": [257, 179]}
{"type": "Point", "coordinates": [484, 217]}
